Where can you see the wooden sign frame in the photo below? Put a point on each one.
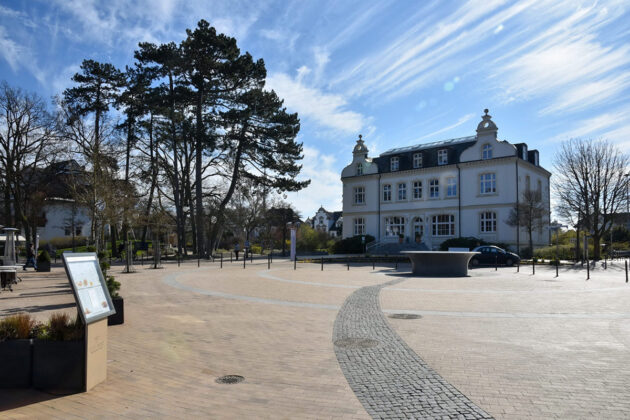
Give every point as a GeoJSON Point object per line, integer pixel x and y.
{"type": "Point", "coordinates": [96, 325]}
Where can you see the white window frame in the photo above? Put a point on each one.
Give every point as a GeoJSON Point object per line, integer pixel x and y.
{"type": "Point", "coordinates": [359, 195]}
{"type": "Point", "coordinates": [434, 188]}
{"type": "Point", "coordinates": [443, 157]}
{"type": "Point", "coordinates": [417, 190]}
{"type": "Point", "coordinates": [387, 192]}
{"type": "Point", "coordinates": [359, 168]}
{"type": "Point", "coordinates": [488, 222]}
{"type": "Point", "coordinates": [394, 164]}
{"type": "Point", "coordinates": [402, 191]}
{"type": "Point", "coordinates": [417, 160]}
{"type": "Point", "coordinates": [394, 226]}
{"type": "Point", "coordinates": [486, 151]}
{"type": "Point", "coordinates": [451, 187]}
{"type": "Point", "coordinates": [443, 225]}
{"type": "Point", "coordinates": [359, 226]}
{"type": "Point", "coordinates": [488, 183]}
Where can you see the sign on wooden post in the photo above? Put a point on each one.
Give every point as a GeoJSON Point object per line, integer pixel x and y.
{"type": "Point", "coordinates": [95, 305]}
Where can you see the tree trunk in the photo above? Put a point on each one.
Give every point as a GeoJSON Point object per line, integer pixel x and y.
{"type": "Point", "coordinates": [152, 155]}
{"type": "Point", "coordinates": [198, 174]}
{"type": "Point", "coordinates": [176, 193]}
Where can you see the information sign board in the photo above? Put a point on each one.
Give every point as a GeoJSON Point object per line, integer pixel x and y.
{"type": "Point", "coordinates": [89, 286]}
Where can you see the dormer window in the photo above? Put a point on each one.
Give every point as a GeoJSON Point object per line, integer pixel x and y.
{"type": "Point", "coordinates": [417, 160]}
{"type": "Point", "coordinates": [394, 164]}
{"type": "Point", "coordinates": [442, 157]}
{"type": "Point", "coordinates": [486, 152]}
{"type": "Point", "coordinates": [359, 169]}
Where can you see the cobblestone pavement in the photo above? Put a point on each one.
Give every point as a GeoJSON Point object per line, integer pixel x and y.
{"type": "Point", "coordinates": [388, 377]}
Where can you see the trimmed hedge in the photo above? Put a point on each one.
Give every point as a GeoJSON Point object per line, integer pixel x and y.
{"type": "Point", "coordinates": [353, 245]}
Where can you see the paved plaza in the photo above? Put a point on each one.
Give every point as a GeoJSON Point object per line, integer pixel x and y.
{"type": "Point", "coordinates": [355, 343]}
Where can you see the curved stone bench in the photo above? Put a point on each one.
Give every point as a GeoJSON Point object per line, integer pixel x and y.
{"type": "Point", "coordinates": [439, 263]}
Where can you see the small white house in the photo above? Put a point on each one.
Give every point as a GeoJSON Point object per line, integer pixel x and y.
{"type": "Point", "coordinates": [330, 222]}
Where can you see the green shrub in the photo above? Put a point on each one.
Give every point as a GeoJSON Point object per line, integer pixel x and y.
{"type": "Point", "coordinates": [564, 252]}
{"type": "Point", "coordinates": [16, 327]}
{"type": "Point", "coordinates": [43, 257]}
{"type": "Point", "coordinates": [256, 249]}
{"type": "Point", "coordinates": [61, 242]}
{"type": "Point", "coordinates": [113, 286]}
{"type": "Point", "coordinates": [353, 245]}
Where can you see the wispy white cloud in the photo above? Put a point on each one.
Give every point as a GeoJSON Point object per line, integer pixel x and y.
{"type": "Point", "coordinates": [462, 120]}
{"type": "Point", "coordinates": [19, 56]}
{"type": "Point", "coordinates": [606, 125]}
{"type": "Point", "coordinates": [327, 110]}
{"type": "Point", "coordinates": [325, 188]}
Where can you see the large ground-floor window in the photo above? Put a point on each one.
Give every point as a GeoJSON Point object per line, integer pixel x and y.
{"type": "Point", "coordinates": [443, 225]}
{"type": "Point", "coordinates": [359, 226]}
{"type": "Point", "coordinates": [488, 221]}
{"type": "Point", "coordinates": [394, 226]}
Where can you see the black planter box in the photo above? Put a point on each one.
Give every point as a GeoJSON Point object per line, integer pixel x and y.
{"type": "Point", "coordinates": [59, 366]}
{"type": "Point", "coordinates": [15, 363]}
{"type": "Point", "coordinates": [119, 317]}
{"type": "Point", "coordinates": [43, 266]}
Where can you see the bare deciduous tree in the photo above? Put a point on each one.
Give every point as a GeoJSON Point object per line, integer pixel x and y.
{"type": "Point", "coordinates": [530, 212]}
{"type": "Point", "coordinates": [591, 185]}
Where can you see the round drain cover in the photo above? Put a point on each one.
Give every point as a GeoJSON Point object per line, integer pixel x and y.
{"type": "Point", "coordinates": [230, 379]}
{"type": "Point", "coordinates": [356, 343]}
{"type": "Point", "coordinates": [405, 316]}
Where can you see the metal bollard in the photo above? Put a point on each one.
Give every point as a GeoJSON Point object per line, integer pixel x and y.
{"type": "Point", "coordinates": [295, 263]}
{"type": "Point", "coordinates": [268, 262]}
{"type": "Point", "coordinates": [605, 262]}
{"type": "Point", "coordinates": [244, 259]}
{"type": "Point", "coordinates": [373, 263]}
{"type": "Point", "coordinates": [348, 263]}
{"type": "Point", "coordinates": [322, 264]}
{"type": "Point", "coordinates": [518, 266]}
{"type": "Point", "coordinates": [588, 270]}
{"type": "Point", "coordinates": [222, 260]}
{"type": "Point", "coordinates": [178, 260]}
{"type": "Point", "coordinates": [496, 262]}
{"type": "Point", "coordinates": [396, 265]}
{"type": "Point", "coordinates": [626, 271]}
{"type": "Point", "coordinates": [251, 257]}
{"type": "Point", "coordinates": [198, 262]}
{"type": "Point", "coordinates": [533, 266]}
{"type": "Point", "coordinates": [557, 263]}
{"type": "Point", "coordinates": [230, 256]}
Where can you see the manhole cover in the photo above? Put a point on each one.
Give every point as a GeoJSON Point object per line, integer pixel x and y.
{"type": "Point", "coordinates": [230, 379]}
{"type": "Point", "coordinates": [405, 316]}
{"type": "Point", "coordinates": [356, 343]}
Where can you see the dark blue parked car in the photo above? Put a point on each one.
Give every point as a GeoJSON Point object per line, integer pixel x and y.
{"type": "Point", "coordinates": [489, 254]}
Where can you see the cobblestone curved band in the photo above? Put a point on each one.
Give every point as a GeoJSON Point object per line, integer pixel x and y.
{"type": "Point", "coordinates": [390, 379]}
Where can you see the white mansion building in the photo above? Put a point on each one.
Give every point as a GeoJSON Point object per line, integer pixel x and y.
{"type": "Point", "coordinates": [445, 189]}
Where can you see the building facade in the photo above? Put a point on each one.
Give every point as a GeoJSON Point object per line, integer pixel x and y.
{"type": "Point", "coordinates": [445, 189]}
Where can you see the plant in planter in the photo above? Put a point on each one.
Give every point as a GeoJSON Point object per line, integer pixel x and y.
{"type": "Point", "coordinates": [113, 287]}
{"type": "Point", "coordinates": [15, 350]}
{"type": "Point", "coordinates": [59, 355]}
{"type": "Point", "coordinates": [401, 238]}
{"type": "Point", "coordinates": [43, 261]}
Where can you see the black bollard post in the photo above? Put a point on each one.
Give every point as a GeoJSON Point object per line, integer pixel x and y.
{"type": "Point", "coordinates": [348, 263]}
{"type": "Point", "coordinates": [244, 259]}
{"type": "Point", "coordinates": [557, 263]}
{"type": "Point", "coordinates": [396, 265]}
{"type": "Point", "coordinates": [626, 271]}
{"type": "Point", "coordinates": [322, 264]}
{"type": "Point", "coordinates": [373, 263]}
{"type": "Point", "coordinates": [533, 266]}
{"type": "Point", "coordinates": [271, 256]}
{"type": "Point", "coordinates": [251, 257]}
{"type": "Point", "coordinates": [198, 262]}
{"type": "Point", "coordinates": [588, 270]}
{"type": "Point", "coordinates": [269, 262]}
{"type": "Point", "coordinates": [295, 263]}
{"type": "Point", "coordinates": [230, 257]}
{"type": "Point", "coordinates": [518, 266]}
{"type": "Point", "coordinates": [496, 262]}
{"type": "Point", "coordinates": [605, 262]}
{"type": "Point", "coordinates": [222, 260]}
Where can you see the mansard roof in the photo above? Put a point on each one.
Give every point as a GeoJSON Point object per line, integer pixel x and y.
{"type": "Point", "coordinates": [434, 144]}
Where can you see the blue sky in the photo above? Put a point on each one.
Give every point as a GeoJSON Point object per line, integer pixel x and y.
{"type": "Point", "coordinates": [398, 72]}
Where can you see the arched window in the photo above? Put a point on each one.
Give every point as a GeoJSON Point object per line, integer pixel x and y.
{"type": "Point", "coordinates": [359, 168]}
{"type": "Point", "coordinates": [486, 151]}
